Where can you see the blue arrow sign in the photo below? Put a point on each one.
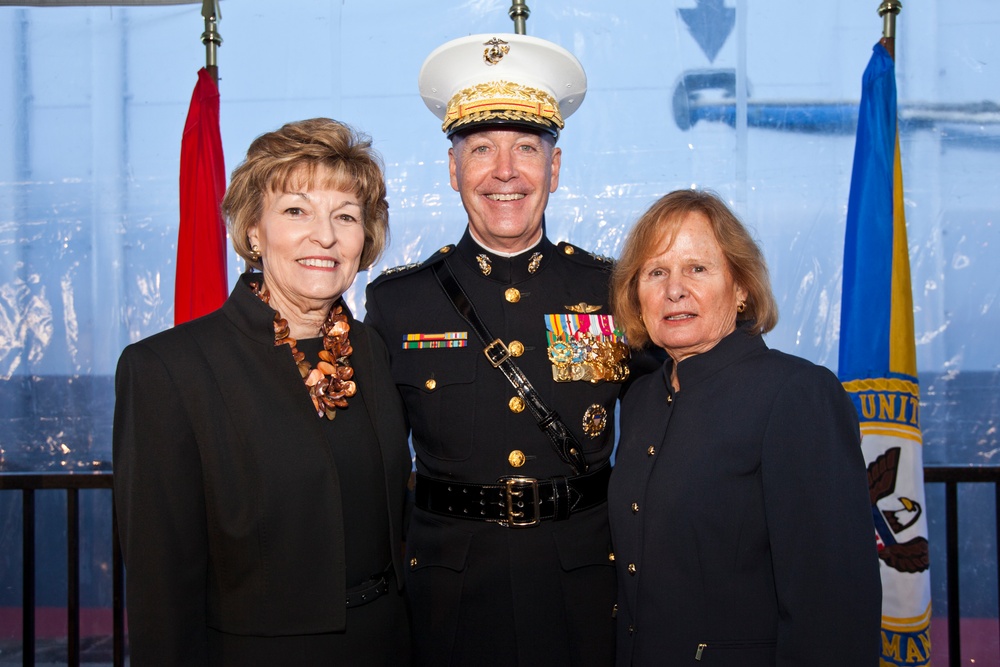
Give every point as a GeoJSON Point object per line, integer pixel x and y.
{"type": "Point", "coordinates": [710, 23]}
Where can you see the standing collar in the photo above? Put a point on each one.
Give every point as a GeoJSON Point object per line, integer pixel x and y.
{"type": "Point", "coordinates": [254, 317]}
{"type": "Point", "coordinates": [508, 255]}
{"type": "Point", "coordinates": [502, 269]}
{"type": "Point", "coordinates": [733, 347]}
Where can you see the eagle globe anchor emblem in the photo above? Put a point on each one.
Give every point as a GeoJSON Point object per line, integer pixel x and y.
{"type": "Point", "coordinates": [497, 49]}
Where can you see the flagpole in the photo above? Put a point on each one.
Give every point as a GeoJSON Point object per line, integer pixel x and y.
{"type": "Point", "coordinates": [878, 360]}
{"type": "Point", "coordinates": [888, 10]}
{"type": "Point", "coordinates": [518, 13]}
{"type": "Point", "coordinates": [211, 37]}
{"type": "Point", "coordinates": [201, 284]}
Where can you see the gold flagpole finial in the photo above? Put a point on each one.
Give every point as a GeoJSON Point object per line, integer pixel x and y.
{"type": "Point", "coordinates": [888, 10]}
{"type": "Point", "coordinates": [518, 13]}
{"type": "Point", "coordinates": [211, 37]}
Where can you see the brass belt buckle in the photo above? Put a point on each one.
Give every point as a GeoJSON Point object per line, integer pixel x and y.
{"type": "Point", "coordinates": [496, 356]}
{"type": "Point", "coordinates": [517, 504]}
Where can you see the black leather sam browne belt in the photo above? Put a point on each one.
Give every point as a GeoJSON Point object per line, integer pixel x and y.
{"type": "Point", "coordinates": [514, 502]}
{"type": "Point", "coordinates": [563, 440]}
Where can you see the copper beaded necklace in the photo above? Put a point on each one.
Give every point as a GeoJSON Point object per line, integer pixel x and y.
{"type": "Point", "coordinates": [330, 383]}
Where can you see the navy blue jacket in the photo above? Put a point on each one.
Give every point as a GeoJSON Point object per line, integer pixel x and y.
{"type": "Point", "coordinates": [741, 516]}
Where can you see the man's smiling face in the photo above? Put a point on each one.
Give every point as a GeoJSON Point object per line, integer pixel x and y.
{"type": "Point", "coordinates": [505, 176]}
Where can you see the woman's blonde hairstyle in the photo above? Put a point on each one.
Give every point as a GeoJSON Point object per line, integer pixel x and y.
{"type": "Point", "coordinates": [656, 229]}
{"type": "Point", "coordinates": [291, 156]}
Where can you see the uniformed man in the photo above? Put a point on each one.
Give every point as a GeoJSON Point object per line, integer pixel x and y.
{"type": "Point", "coordinates": [510, 365]}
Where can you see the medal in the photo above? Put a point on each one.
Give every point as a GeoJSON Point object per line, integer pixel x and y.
{"type": "Point", "coordinates": [594, 420]}
{"type": "Point", "coordinates": [586, 347]}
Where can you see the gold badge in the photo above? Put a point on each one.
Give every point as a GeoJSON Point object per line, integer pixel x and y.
{"type": "Point", "coordinates": [484, 264]}
{"type": "Point", "coordinates": [534, 262]}
{"type": "Point", "coordinates": [497, 49]}
{"type": "Point", "coordinates": [594, 420]}
{"type": "Point", "coordinates": [582, 307]}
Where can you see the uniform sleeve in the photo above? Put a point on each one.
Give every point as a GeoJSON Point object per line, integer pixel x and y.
{"type": "Point", "coordinates": [820, 526]}
{"type": "Point", "coordinates": [373, 315]}
{"type": "Point", "coordinates": [375, 321]}
{"type": "Point", "coordinates": [160, 506]}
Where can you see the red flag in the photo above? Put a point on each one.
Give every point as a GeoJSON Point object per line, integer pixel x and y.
{"type": "Point", "coordinates": [201, 284]}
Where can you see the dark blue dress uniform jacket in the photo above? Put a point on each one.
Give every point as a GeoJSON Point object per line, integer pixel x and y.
{"type": "Point", "coordinates": [482, 594]}
{"type": "Point", "coordinates": [741, 516]}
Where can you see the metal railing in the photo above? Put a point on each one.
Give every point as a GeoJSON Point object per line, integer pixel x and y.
{"type": "Point", "coordinates": [28, 483]}
{"type": "Point", "coordinates": [951, 477]}
{"type": "Point", "coordinates": [72, 483]}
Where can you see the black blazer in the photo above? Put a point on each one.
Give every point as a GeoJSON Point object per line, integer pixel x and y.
{"type": "Point", "coordinates": [227, 494]}
{"type": "Point", "coordinates": [741, 518]}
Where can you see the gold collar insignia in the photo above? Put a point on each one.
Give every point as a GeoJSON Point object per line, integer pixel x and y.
{"type": "Point", "coordinates": [484, 264]}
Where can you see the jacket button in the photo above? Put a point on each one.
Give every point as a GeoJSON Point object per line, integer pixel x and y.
{"type": "Point", "coordinates": [413, 562]}
{"type": "Point", "coordinates": [635, 508]}
{"type": "Point", "coordinates": [513, 295]}
{"type": "Point", "coordinates": [516, 348]}
{"type": "Point", "coordinates": [651, 450]}
{"type": "Point", "coordinates": [516, 458]}
{"type": "Point", "coordinates": [611, 557]}
{"type": "Point", "coordinates": [431, 384]}
{"type": "Point", "coordinates": [516, 404]}
{"type": "Point", "coordinates": [631, 568]}
{"type": "Point", "coordinates": [569, 250]}
{"type": "Point", "coordinates": [631, 629]}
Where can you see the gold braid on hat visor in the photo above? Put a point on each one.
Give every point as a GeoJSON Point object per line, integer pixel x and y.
{"type": "Point", "coordinates": [502, 100]}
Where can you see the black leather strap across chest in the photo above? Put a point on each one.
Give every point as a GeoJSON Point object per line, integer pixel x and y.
{"type": "Point", "coordinates": [563, 440]}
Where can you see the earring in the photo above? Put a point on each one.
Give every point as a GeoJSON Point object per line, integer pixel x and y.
{"type": "Point", "coordinates": [741, 306]}
{"type": "Point", "coordinates": [255, 253]}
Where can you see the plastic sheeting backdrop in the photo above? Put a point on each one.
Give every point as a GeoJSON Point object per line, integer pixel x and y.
{"type": "Point", "coordinates": [757, 103]}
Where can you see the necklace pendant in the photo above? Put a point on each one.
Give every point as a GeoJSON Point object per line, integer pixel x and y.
{"type": "Point", "coordinates": [329, 383]}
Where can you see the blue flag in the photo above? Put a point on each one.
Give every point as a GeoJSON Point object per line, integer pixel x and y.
{"type": "Point", "coordinates": [878, 366]}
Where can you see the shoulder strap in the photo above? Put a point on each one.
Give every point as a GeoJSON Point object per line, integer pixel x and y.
{"type": "Point", "coordinates": [496, 351]}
